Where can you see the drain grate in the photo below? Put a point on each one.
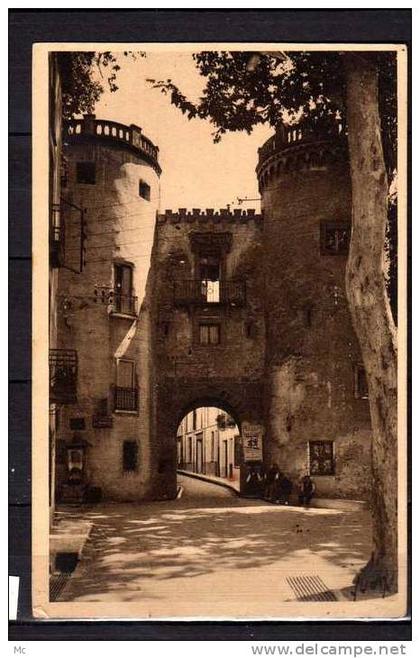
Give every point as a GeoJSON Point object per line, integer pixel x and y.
{"type": "Point", "coordinates": [57, 584]}
{"type": "Point", "coordinates": [310, 588]}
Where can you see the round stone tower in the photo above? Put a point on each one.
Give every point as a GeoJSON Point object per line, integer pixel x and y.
{"type": "Point", "coordinates": [110, 197]}
{"type": "Point", "coordinates": [317, 412]}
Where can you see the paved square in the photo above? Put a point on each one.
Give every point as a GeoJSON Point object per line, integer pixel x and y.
{"type": "Point", "coordinates": [210, 552]}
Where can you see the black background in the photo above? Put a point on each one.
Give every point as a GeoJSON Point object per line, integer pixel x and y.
{"type": "Point", "coordinates": [27, 27]}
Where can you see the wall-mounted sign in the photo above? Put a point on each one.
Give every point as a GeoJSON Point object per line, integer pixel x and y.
{"type": "Point", "coordinates": [252, 441]}
{"type": "Point", "coordinates": [101, 421]}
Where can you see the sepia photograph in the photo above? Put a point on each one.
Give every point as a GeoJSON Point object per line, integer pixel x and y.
{"type": "Point", "coordinates": [219, 331]}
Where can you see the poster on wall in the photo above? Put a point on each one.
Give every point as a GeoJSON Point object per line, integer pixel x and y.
{"type": "Point", "coordinates": [252, 438]}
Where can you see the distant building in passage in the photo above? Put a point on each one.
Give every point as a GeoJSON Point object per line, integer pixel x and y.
{"type": "Point", "coordinates": [208, 442]}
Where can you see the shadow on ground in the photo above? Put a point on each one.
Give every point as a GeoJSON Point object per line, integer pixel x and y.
{"type": "Point", "coordinates": [134, 545]}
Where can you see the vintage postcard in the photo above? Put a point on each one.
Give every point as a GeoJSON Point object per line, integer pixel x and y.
{"type": "Point", "coordinates": [219, 411]}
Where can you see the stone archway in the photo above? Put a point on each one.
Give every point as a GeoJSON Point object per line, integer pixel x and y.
{"type": "Point", "coordinates": [242, 400]}
{"type": "Point", "coordinates": [208, 440]}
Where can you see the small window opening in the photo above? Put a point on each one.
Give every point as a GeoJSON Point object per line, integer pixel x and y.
{"type": "Point", "coordinates": [361, 390]}
{"type": "Point", "coordinates": [86, 173]}
{"type": "Point", "coordinates": [144, 190]}
{"type": "Point", "coordinates": [77, 423]}
{"type": "Point", "coordinates": [209, 334]}
{"type": "Point", "coordinates": [335, 238]}
{"type": "Point", "coordinates": [130, 454]}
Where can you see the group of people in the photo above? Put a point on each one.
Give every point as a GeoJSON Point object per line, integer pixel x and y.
{"type": "Point", "coordinates": [274, 485]}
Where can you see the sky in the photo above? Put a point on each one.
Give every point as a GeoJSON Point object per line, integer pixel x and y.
{"type": "Point", "coordinates": [196, 172]}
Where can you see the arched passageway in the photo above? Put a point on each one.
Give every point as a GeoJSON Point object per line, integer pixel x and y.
{"type": "Point", "coordinates": [209, 443]}
{"type": "Point", "coordinates": [239, 402]}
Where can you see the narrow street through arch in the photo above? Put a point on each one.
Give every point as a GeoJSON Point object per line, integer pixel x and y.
{"type": "Point", "coordinates": [212, 548]}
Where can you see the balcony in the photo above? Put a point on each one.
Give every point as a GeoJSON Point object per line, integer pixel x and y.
{"type": "Point", "coordinates": [124, 304]}
{"type": "Point", "coordinates": [125, 399]}
{"type": "Point", "coordinates": [195, 291]}
{"type": "Point", "coordinates": [63, 376]}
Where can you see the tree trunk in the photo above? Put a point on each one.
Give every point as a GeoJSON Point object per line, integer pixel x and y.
{"type": "Point", "coordinates": [370, 311]}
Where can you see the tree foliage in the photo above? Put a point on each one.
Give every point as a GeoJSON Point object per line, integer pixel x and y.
{"type": "Point", "coordinates": [81, 88]}
{"type": "Point", "coordinates": [306, 86]}
{"type": "Point", "coordinates": [244, 89]}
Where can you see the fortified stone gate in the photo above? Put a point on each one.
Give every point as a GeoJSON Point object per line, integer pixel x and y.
{"type": "Point", "coordinates": [236, 311]}
{"type": "Point", "coordinates": [210, 342]}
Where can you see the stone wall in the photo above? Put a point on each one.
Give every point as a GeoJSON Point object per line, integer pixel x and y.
{"type": "Point", "coordinates": [188, 374]}
{"type": "Point", "coordinates": [119, 226]}
{"type": "Point", "coordinates": [312, 350]}
{"type": "Point", "coordinates": [287, 353]}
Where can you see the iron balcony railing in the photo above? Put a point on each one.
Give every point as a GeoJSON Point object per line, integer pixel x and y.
{"type": "Point", "coordinates": [196, 291]}
{"type": "Point", "coordinates": [125, 304]}
{"type": "Point", "coordinates": [125, 399]}
{"type": "Point", "coordinates": [63, 376]}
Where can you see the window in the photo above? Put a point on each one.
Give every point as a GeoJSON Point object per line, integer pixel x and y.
{"type": "Point", "coordinates": [102, 407]}
{"type": "Point", "coordinates": [77, 424]}
{"type": "Point", "coordinates": [125, 373]}
{"type": "Point", "coordinates": [189, 458]}
{"type": "Point", "coordinates": [130, 454]}
{"type": "Point", "coordinates": [209, 275]}
{"type": "Point", "coordinates": [213, 448]}
{"type": "Point", "coordinates": [209, 334]}
{"type": "Point", "coordinates": [86, 173]}
{"type": "Point", "coordinates": [125, 389]}
{"type": "Point", "coordinates": [179, 450]}
{"type": "Point", "coordinates": [361, 390]}
{"type": "Point", "coordinates": [250, 329]}
{"type": "Point", "coordinates": [144, 190]}
{"type": "Point", "coordinates": [321, 458]}
{"type": "Point", "coordinates": [124, 302]}
{"type": "Point", "coordinates": [194, 419]}
{"type": "Point", "coordinates": [335, 238]}
{"type": "Point", "coordinates": [308, 316]}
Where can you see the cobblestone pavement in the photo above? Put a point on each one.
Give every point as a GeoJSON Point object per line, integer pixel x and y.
{"type": "Point", "coordinates": [211, 552]}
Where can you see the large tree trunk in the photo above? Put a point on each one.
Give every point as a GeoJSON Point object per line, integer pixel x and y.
{"type": "Point", "coordinates": [370, 311]}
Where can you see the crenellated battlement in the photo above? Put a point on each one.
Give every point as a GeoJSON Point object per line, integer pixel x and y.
{"type": "Point", "coordinates": [209, 215]}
